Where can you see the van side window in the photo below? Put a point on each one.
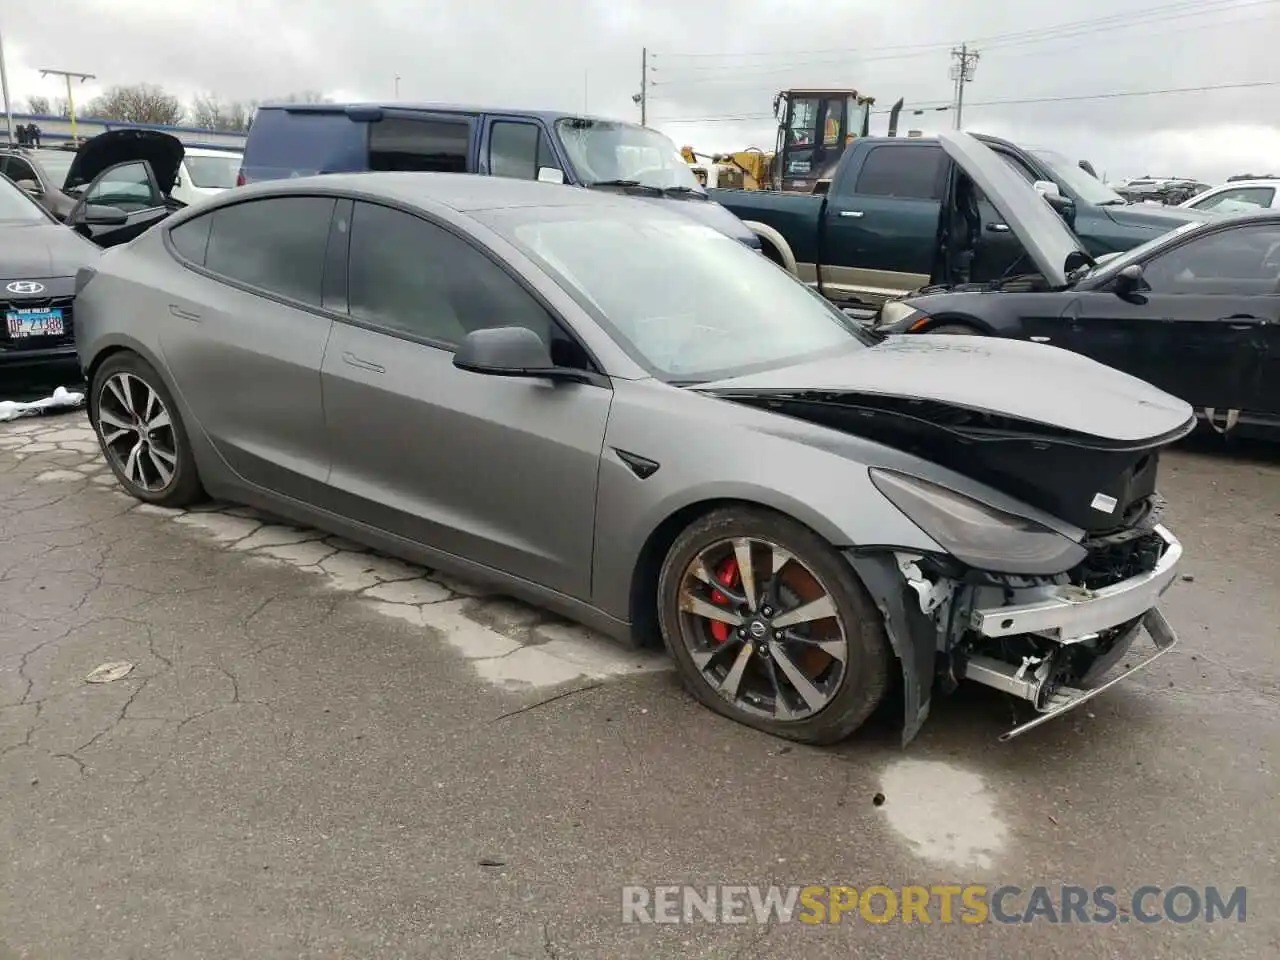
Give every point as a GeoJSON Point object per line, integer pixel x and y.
{"type": "Point", "coordinates": [518, 150]}
{"type": "Point", "coordinates": [907, 172]}
{"type": "Point", "coordinates": [405, 143]}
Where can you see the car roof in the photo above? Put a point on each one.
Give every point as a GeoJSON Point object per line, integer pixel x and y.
{"type": "Point", "coordinates": [1255, 182]}
{"type": "Point", "coordinates": [462, 192]}
{"type": "Point", "coordinates": [547, 116]}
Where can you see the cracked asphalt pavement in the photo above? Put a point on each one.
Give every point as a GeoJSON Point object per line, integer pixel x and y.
{"type": "Point", "coordinates": [319, 752]}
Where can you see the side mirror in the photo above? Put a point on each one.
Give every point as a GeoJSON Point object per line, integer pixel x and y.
{"type": "Point", "coordinates": [822, 187]}
{"type": "Point", "coordinates": [1129, 280]}
{"type": "Point", "coordinates": [507, 352]}
{"type": "Point", "coordinates": [1047, 188]}
{"type": "Point", "coordinates": [99, 215]}
{"type": "Point", "coordinates": [550, 175]}
{"type": "Point", "coordinates": [31, 187]}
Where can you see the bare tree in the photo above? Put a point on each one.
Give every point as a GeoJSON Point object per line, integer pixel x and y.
{"type": "Point", "coordinates": [210, 113]}
{"type": "Point", "coordinates": [61, 108]}
{"type": "Point", "coordinates": [207, 113]}
{"type": "Point", "coordinates": [303, 96]}
{"type": "Point", "coordinates": [39, 106]}
{"type": "Point", "coordinates": [141, 103]}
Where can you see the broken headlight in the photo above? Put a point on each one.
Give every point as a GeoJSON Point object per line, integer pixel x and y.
{"type": "Point", "coordinates": [976, 534]}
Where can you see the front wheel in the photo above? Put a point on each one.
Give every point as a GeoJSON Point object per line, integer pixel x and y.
{"type": "Point", "coordinates": [768, 625]}
{"type": "Point", "coordinates": [141, 434]}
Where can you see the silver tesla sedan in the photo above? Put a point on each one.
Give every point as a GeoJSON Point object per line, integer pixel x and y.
{"type": "Point", "coordinates": [606, 408]}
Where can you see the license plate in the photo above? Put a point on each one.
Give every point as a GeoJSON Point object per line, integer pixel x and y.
{"type": "Point", "coordinates": [35, 323]}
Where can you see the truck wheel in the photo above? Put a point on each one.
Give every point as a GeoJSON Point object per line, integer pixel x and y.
{"type": "Point", "coordinates": [768, 625]}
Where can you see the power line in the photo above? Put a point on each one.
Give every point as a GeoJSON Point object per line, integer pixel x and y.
{"type": "Point", "coordinates": [1059, 32]}
{"type": "Point", "coordinates": [1014, 102]}
{"type": "Point", "coordinates": [748, 74]}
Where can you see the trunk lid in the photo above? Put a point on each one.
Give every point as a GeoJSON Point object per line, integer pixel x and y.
{"type": "Point", "coordinates": [1055, 429]}
{"type": "Point", "coordinates": [163, 151]}
{"type": "Point", "coordinates": [1043, 233]}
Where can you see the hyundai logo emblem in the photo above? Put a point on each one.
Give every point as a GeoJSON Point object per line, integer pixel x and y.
{"type": "Point", "coordinates": [25, 286]}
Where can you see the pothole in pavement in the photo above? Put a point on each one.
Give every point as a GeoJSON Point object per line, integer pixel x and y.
{"type": "Point", "coordinates": [509, 643]}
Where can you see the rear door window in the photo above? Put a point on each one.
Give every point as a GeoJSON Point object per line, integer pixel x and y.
{"type": "Point", "coordinates": [420, 143]}
{"type": "Point", "coordinates": [191, 239]}
{"type": "Point", "coordinates": [902, 171]}
{"type": "Point", "coordinates": [276, 244]}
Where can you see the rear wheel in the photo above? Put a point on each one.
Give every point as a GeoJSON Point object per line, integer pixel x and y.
{"type": "Point", "coordinates": [769, 626]}
{"type": "Point", "coordinates": [141, 434]}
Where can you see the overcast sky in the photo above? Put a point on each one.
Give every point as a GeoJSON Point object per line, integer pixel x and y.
{"type": "Point", "coordinates": [711, 61]}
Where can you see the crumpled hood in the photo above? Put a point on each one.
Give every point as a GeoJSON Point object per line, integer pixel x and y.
{"type": "Point", "coordinates": [1159, 219]}
{"type": "Point", "coordinates": [163, 151]}
{"type": "Point", "coordinates": [1033, 382]}
{"type": "Point", "coordinates": [41, 250]}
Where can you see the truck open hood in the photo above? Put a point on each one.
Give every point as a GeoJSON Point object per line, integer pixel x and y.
{"type": "Point", "coordinates": [1045, 236]}
{"type": "Point", "coordinates": [163, 151]}
{"type": "Point", "coordinates": [1050, 427]}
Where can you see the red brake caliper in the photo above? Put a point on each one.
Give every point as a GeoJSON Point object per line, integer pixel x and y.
{"type": "Point", "coordinates": [727, 575]}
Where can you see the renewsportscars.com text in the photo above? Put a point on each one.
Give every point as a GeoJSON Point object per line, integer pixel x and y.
{"type": "Point", "coordinates": [941, 904]}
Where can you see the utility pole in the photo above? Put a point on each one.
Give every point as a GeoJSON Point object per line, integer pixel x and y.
{"type": "Point", "coordinates": [4, 81]}
{"type": "Point", "coordinates": [397, 86]}
{"type": "Point", "coordinates": [71, 104]}
{"type": "Point", "coordinates": [643, 96]}
{"type": "Point", "coordinates": [962, 72]}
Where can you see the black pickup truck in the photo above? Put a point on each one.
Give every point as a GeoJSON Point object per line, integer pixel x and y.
{"type": "Point", "coordinates": [876, 232]}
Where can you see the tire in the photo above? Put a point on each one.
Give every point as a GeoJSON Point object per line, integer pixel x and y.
{"type": "Point", "coordinates": [140, 467]}
{"type": "Point", "coordinates": [955, 329]}
{"type": "Point", "coordinates": [863, 678]}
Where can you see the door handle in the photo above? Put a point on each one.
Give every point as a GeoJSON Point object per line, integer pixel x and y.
{"type": "Point", "coordinates": [352, 360]}
{"type": "Point", "coordinates": [851, 213]}
{"type": "Point", "coordinates": [997, 227]}
{"type": "Point", "coordinates": [1244, 321]}
{"type": "Point", "coordinates": [183, 314]}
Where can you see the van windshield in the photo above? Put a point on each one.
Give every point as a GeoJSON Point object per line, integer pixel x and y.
{"type": "Point", "coordinates": [602, 151]}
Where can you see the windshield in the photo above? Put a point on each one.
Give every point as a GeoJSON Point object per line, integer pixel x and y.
{"type": "Point", "coordinates": [213, 172]}
{"type": "Point", "coordinates": [602, 150]}
{"type": "Point", "coordinates": [687, 302]}
{"type": "Point", "coordinates": [1086, 188]}
{"type": "Point", "coordinates": [16, 206]}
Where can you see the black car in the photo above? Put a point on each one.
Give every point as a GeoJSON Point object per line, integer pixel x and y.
{"type": "Point", "coordinates": [39, 258]}
{"type": "Point", "coordinates": [1195, 312]}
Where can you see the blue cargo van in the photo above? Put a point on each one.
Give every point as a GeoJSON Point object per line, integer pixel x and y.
{"type": "Point", "coordinates": [297, 140]}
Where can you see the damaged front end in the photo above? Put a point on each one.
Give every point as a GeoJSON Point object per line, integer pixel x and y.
{"type": "Point", "coordinates": [1052, 641]}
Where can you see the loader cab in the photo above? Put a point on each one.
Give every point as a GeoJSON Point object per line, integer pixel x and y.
{"type": "Point", "coordinates": [814, 128]}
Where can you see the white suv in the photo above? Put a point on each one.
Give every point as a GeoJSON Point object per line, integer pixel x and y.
{"type": "Point", "coordinates": [205, 172]}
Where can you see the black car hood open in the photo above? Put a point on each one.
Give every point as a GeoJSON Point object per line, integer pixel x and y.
{"type": "Point", "coordinates": [163, 151]}
{"type": "Point", "coordinates": [40, 250]}
{"type": "Point", "coordinates": [1055, 429]}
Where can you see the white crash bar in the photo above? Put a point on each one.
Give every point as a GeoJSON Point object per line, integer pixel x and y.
{"type": "Point", "coordinates": [1075, 611]}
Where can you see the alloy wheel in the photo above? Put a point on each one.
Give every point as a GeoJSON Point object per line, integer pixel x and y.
{"type": "Point", "coordinates": [762, 629]}
{"type": "Point", "coordinates": [137, 432]}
